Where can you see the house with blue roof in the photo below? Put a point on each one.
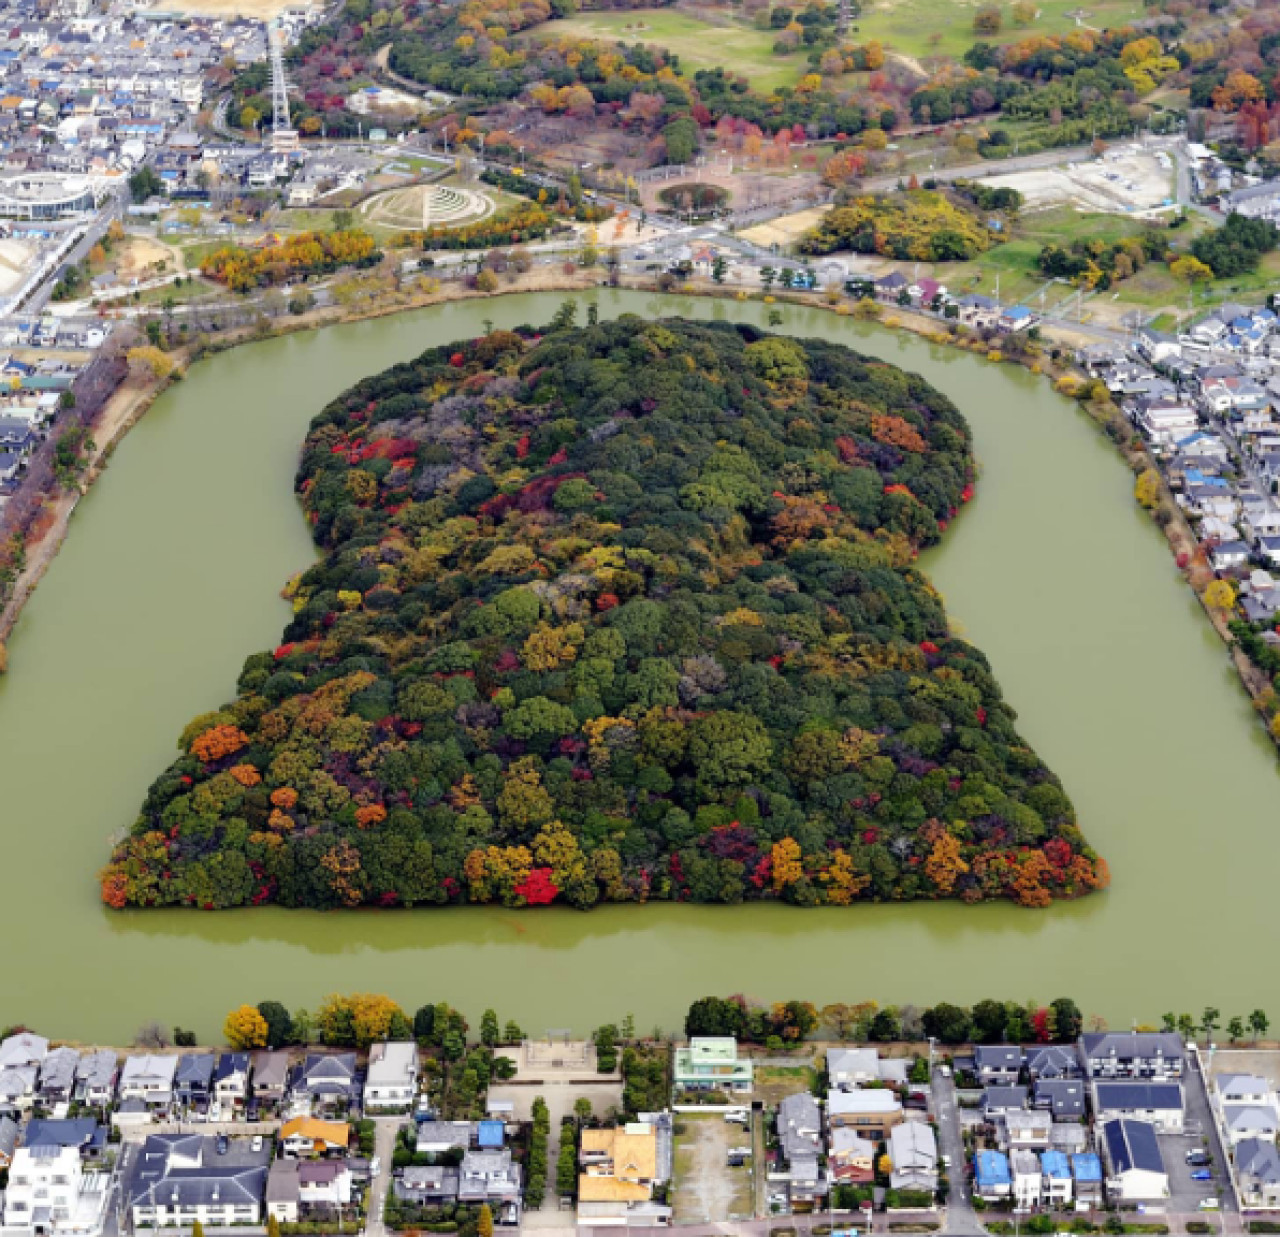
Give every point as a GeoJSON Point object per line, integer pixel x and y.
{"type": "Point", "coordinates": [1017, 318]}
{"type": "Point", "coordinates": [490, 1135]}
{"type": "Point", "coordinates": [1086, 1175]}
{"type": "Point", "coordinates": [992, 1179]}
{"type": "Point", "coordinates": [1055, 1171]}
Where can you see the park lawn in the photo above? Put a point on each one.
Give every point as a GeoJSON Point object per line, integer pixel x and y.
{"type": "Point", "coordinates": [920, 28]}
{"type": "Point", "coordinates": [699, 44]}
{"type": "Point", "coordinates": [189, 291]}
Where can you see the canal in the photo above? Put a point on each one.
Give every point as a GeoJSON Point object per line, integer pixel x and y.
{"type": "Point", "coordinates": [171, 576]}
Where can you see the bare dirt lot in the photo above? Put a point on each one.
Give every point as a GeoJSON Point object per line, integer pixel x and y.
{"type": "Point", "coordinates": [1124, 181]}
{"type": "Point", "coordinates": [707, 1190]}
{"type": "Point", "coordinates": [786, 229]}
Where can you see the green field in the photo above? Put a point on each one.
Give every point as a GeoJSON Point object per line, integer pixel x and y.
{"type": "Point", "coordinates": [945, 27]}
{"type": "Point", "coordinates": [699, 44]}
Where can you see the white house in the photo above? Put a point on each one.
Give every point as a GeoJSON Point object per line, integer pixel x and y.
{"type": "Point", "coordinates": [23, 1049]}
{"type": "Point", "coordinates": [148, 1078]}
{"type": "Point", "coordinates": [1164, 423]}
{"type": "Point", "coordinates": [1025, 1167]}
{"type": "Point", "coordinates": [1135, 1167]}
{"type": "Point", "coordinates": [1159, 1103]}
{"type": "Point", "coordinates": [49, 1192]}
{"type": "Point", "coordinates": [392, 1081]}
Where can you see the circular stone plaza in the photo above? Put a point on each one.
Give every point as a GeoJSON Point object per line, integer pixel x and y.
{"type": "Point", "coordinates": [418, 207]}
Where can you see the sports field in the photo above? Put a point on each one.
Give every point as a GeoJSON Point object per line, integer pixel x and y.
{"type": "Point", "coordinates": [699, 44]}
{"type": "Point", "coordinates": [921, 28]}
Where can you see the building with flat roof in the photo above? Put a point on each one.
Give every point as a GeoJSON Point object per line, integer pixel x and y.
{"type": "Point", "coordinates": [711, 1062]}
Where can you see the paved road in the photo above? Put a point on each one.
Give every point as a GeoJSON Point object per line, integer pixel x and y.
{"type": "Point", "coordinates": [384, 1146]}
{"type": "Point", "coordinates": [961, 1217]}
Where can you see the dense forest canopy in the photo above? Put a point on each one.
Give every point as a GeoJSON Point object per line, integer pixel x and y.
{"type": "Point", "coordinates": [617, 613]}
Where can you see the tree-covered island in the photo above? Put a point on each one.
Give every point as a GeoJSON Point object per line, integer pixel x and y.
{"type": "Point", "coordinates": [619, 613]}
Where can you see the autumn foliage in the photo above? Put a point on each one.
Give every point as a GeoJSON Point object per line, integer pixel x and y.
{"type": "Point", "coordinates": [627, 614]}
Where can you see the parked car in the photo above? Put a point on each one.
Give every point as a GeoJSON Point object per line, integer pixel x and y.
{"type": "Point", "coordinates": [1202, 1174]}
{"type": "Point", "coordinates": [256, 1145]}
{"type": "Point", "coordinates": [223, 1143]}
{"type": "Point", "coordinates": [1209, 1204]}
{"type": "Point", "coordinates": [1198, 1159]}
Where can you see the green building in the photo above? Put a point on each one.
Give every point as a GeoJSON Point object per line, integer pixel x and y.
{"type": "Point", "coordinates": [712, 1062]}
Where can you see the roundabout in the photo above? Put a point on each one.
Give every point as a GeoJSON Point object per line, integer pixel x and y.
{"type": "Point", "coordinates": [419, 207]}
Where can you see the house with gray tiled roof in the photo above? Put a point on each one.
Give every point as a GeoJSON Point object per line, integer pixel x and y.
{"type": "Point", "coordinates": [1257, 1165]}
{"type": "Point", "coordinates": [1138, 1054]}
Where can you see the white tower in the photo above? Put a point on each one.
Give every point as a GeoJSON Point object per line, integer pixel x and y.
{"type": "Point", "coordinates": [284, 137]}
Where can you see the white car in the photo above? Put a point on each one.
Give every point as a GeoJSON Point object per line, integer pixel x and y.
{"type": "Point", "coordinates": [375, 1165]}
{"type": "Point", "coordinates": [256, 1145]}
{"type": "Point", "coordinates": [1209, 1204]}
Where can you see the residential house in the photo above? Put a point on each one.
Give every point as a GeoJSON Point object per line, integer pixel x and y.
{"type": "Point", "coordinates": [1269, 549]}
{"type": "Point", "coordinates": [1257, 1172]}
{"type": "Point", "coordinates": [711, 1063]}
{"type": "Point", "coordinates": [1053, 1061]}
{"type": "Point", "coordinates": [270, 1079]}
{"type": "Point", "coordinates": [181, 1178]}
{"type": "Point", "coordinates": [310, 1136]}
{"type": "Point", "coordinates": [22, 1049]}
{"type": "Point", "coordinates": [284, 1193]}
{"type": "Point", "coordinates": [392, 1081]}
{"type": "Point", "coordinates": [1025, 1169]}
{"type": "Point", "coordinates": [18, 1088]}
{"type": "Point", "coordinates": [996, 1101]}
{"type": "Point", "coordinates": [1063, 1097]}
{"type": "Point", "coordinates": [1241, 1121]}
{"type": "Point", "coordinates": [8, 1140]}
{"type": "Point", "coordinates": [1068, 1137]}
{"type": "Point", "coordinates": [1017, 318]}
{"type": "Point", "coordinates": [1242, 1089]}
{"type": "Point", "coordinates": [891, 286]}
{"type": "Point", "coordinates": [800, 1136]}
{"type": "Point", "coordinates": [1156, 346]}
{"type": "Point", "coordinates": [850, 1157]}
{"type": "Point", "coordinates": [1161, 1104]}
{"type": "Point", "coordinates": [992, 1179]}
{"type": "Point", "coordinates": [1164, 421]}
{"type": "Point", "coordinates": [426, 1187]}
{"type": "Point", "coordinates": [96, 1078]}
{"type": "Point", "coordinates": [150, 1079]}
{"type": "Point", "coordinates": [1156, 1055]}
{"type": "Point", "coordinates": [231, 1081]}
{"type": "Point", "coordinates": [1086, 1177]}
{"type": "Point", "coordinates": [871, 1113]}
{"type": "Point", "coordinates": [1024, 1130]}
{"type": "Point", "coordinates": [620, 1168]}
{"type": "Point", "coordinates": [1261, 519]}
{"type": "Point", "coordinates": [193, 1080]}
{"type": "Point", "coordinates": [997, 1065]}
{"type": "Point", "coordinates": [49, 1192]}
{"type": "Point", "coordinates": [1055, 1179]}
{"type": "Point", "coordinates": [58, 1077]}
{"type": "Point", "coordinates": [1135, 1167]}
{"type": "Point", "coordinates": [979, 311]}
{"type": "Point", "coordinates": [491, 1177]}
{"type": "Point", "coordinates": [82, 1133]}
{"type": "Point", "coordinates": [327, 1081]}
{"type": "Point", "coordinates": [1229, 555]}
{"type": "Point", "coordinates": [324, 1186]}
{"type": "Point", "coordinates": [435, 1137]}
{"type": "Point", "coordinates": [913, 1151]}
{"type": "Point", "coordinates": [849, 1068]}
